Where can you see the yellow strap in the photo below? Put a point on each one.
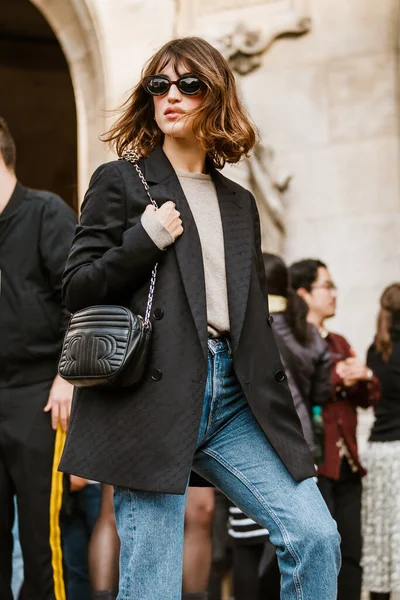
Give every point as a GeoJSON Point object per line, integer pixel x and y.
{"type": "Point", "coordinates": [55, 508]}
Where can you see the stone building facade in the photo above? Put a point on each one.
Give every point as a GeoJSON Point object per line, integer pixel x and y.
{"type": "Point", "coordinates": [319, 77]}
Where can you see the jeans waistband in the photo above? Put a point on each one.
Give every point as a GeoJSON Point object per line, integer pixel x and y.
{"type": "Point", "coordinates": [220, 344]}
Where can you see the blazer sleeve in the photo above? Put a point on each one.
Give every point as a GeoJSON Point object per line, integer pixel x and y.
{"type": "Point", "coordinates": [108, 257]}
{"type": "Point", "coordinates": [257, 239]}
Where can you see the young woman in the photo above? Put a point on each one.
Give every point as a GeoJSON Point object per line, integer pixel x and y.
{"type": "Point", "coordinates": [381, 489]}
{"type": "Point", "coordinates": [307, 362]}
{"type": "Point", "coordinates": [305, 354]}
{"type": "Point", "coordinates": [214, 397]}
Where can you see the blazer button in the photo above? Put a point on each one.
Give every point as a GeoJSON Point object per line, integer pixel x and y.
{"type": "Point", "coordinates": [270, 320]}
{"type": "Point", "coordinates": [280, 376]}
{"type": "Point", "coordinates": [158, 313]}
{"type": "Point", "coordinates": [156, 374]}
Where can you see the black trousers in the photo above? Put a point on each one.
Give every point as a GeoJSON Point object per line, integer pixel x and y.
{"type": "Point", "coordinates": [248, 582]}
{"type": "Point", "coordinates": [343, 498]}
{"type": "Point", "coordinates": [27, 451]}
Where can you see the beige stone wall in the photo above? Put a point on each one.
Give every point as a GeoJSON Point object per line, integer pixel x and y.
{"type": "Point", "coordinates": [329, 108]}
{"type": "Point", "coordinates": [128, 37]}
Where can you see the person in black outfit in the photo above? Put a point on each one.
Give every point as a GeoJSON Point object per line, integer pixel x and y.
{"type": "Point", "coordinates": [381, 490]}
{"type": "Point", "coordinates": [308, 367]}
{"type": "Point", "coordinates": [36, 229]}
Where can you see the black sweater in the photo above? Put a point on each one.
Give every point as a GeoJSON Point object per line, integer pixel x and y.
{"type": "Point", "coordinates": [36, 231]}
{"type": "Point", "coordinates": [387, 411]}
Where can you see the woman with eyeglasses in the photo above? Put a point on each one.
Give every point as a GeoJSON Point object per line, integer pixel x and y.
{"type": "Point", "coordinates": [214, 399]}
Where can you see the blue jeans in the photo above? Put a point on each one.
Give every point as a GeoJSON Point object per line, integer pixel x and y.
{"type": "Point", "coordinates": [234, 454]}
{"type": "Point", "coordinates": [77, 528]}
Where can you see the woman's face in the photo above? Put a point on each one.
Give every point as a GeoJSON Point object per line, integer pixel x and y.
{"type": "Point", "coordinates": [171, 108]}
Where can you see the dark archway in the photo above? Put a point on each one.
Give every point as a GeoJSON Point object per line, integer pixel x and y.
{"type": "Point", "coordinates": [37, 100]}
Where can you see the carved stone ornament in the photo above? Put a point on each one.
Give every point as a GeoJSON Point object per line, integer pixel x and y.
{"type": "Point", "coordinates": [242, 29]}
{"type": "Point", "coordinates": [244, 48]}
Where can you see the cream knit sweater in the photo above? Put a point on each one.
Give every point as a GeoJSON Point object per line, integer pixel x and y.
{"type": "Point", "coordinates": [201, 195]}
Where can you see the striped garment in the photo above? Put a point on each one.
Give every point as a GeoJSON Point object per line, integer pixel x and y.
{"type": "Point", "coordinates": [243, 529]}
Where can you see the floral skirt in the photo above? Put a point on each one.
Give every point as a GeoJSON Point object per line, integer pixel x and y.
{"type": "Point", "coordinates": [381, 517]}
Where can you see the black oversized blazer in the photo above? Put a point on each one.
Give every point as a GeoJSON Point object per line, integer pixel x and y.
{"type": "Point", "coordinates": [144, 437]}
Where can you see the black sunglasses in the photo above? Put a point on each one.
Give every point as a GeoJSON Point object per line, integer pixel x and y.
{"type": "Point", "coordinates": [158, 85]}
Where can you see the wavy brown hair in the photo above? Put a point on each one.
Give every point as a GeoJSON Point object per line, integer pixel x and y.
{"type": "Point", "coordinates": [388, 314]}
{"type": "Point", "coordinates": [220, 123]}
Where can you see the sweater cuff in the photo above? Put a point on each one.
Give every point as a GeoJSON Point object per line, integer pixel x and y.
{"type": "Point", "coordinates": [156, 231]}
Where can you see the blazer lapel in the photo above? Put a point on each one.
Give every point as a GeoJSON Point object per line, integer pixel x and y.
{"type": "Point", "coordinates": [190, 260]}
{"type": "Point", "coordinates": [159, 171]}
{"type": "Point", "coordinates": [238, 241]}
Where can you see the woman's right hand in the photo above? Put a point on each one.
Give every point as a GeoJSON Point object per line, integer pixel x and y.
{"type": "Point", "coordinates": [168, 216]}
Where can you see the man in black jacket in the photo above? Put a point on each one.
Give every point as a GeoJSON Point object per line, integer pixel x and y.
{"type": "Point", "coordinates": [36, 229]}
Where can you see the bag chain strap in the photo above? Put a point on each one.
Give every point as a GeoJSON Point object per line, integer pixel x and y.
{"type": "Point", "coordinates": [132, 157]}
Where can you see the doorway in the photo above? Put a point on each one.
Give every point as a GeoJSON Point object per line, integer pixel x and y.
{"type": "Point", "coordinates": [37, 101]}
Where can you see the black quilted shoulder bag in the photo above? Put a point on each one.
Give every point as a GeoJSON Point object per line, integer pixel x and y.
{"type": "Point", "coordinates": [108, 344]}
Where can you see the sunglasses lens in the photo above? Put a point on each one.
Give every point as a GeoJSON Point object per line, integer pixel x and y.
{"type": "Point", "coordinates": [156, 86]}
{"type": "Point", "coordinates": [190, 85]}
